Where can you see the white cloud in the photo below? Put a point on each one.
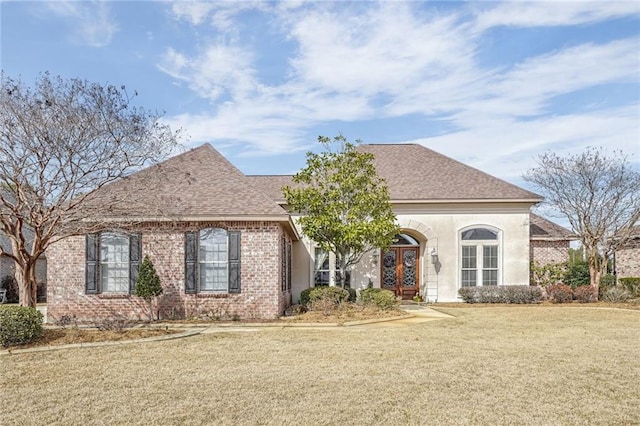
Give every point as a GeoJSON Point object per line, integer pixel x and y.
{"type": "Point", "coordinates": [218, 71]}
{"type": "Point", "coordinates": [220, 14]}
{"type": "Point", "coordinates": [368, 61]}
{"type": "Point", "coordinates": [193, 11]}
{"type": "Point", "coordinates": [386, 50]}
{"type": "Point", "coordinates": [554, 13]}
{"type": "Point", "coordinates": [90, 21]}
{"type": "Point", "coordinates": [514, 144]}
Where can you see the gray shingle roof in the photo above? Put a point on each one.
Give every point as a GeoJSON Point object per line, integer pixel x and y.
{"type": "Point", "coordinates": [197, 184]}
{"type": "Point", "coordinates": [545, 230]}
{"type": "Point", "coordinates": [416, 173]}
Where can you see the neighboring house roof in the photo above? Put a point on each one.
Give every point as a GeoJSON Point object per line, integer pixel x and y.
{"type": "Point", "coordinates": [542, 229]}
{"type": "Point", "coordinates": [197, 185]}
{"type": "Point", "coordinates": [415, 173]}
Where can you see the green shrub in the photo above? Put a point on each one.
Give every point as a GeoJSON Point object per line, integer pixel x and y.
{"type": "Point", "coordinates": [560, 293]}
{"type": "Point", "coordinates": [585, 294]}
{"type": "Point", "coordinates": [379, 297]}
{"type": "Point", "coordinates": [352, 294]}
{"type": "Point", "coordinates": [304, 296]}
{"type": "Point", "coordinates": [606, 282]}
{"type": "Point", "coordinates": [544, 275]}
{"type": "Point", "coordinates": [518, 294]}
{"type": "Point", "coordinates": [19, 325]}
{"type": "Point", "coordinates": [616, 295]}
{"type": "Point", "coordinates": [632, 284]}
{"type": "Point", "coordinates": [335, 295]}
{"type": "Point", "coordinates": [148, 284]}
{"type": "Point", "coordinates": [577, 275]}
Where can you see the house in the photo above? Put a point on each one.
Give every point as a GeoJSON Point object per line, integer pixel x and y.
{"type": "Point", "coordinates": [549, 241]}
{"type": "Point", "coordinates": [627, 258]}
{"type": "Point", "coordinates": [225, 245]}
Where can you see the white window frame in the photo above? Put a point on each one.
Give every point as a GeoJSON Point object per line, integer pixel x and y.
{"type": "Point", "coordinates": [118, 283]}
{"type": "Point", "coordinates": [480, 257]}
{"type": "Point", "coordinates": [218, 267]}
{"type": "Point", "coordinates": [333, 270]}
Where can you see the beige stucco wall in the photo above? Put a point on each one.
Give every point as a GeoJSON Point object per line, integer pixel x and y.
{"type": "Point", "coordinates": [438, 226]}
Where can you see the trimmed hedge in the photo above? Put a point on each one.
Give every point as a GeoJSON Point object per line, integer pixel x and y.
{"type": "Point", "coordinates": [632, 284]}
{"type": "Point", "coordinates": [335, 294]}
{"type": "Point", "coordinates": [305, 295]}
{"type": "Point", "coordinates": [516, 294]}
{"type": "Point", "coordinates": [560, 293]}
{"type": "Point", "coordinates": [19, 325]}
{"type": "Point", "coordinates": [379, 297]}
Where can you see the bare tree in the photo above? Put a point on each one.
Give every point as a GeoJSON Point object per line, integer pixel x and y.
{"type": "Point", "coordinates": [599, 195]}
{"type": "Point", "coordinates": [60, 141]}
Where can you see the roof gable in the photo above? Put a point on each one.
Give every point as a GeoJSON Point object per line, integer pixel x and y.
{"type": "Point", "coordinates": [199, 183]}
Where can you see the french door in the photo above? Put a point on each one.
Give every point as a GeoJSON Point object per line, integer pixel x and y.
{"type": "Point", "coordinates": [400, 267]}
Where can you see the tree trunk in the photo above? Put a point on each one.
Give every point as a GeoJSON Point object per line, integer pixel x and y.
{"type": "Point", "coordinates": [596, 270]}
{"type": "Point", "coordinates": [27, 286]}
{"type": "Point", "coordinates": [150, 303]}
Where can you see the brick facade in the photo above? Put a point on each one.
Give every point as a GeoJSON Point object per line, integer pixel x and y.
{"type": "Point", "coordinates": [546, 252]}
{"type": "Point", "coordinates": [628, 260]}
{"type": "Point", "coordinates": [261, 294]}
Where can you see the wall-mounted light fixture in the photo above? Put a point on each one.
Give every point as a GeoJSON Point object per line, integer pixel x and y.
{"type": "Point", "coordinates": [375, 255]}
{"type": "Point", "coordinates": [434, 256]}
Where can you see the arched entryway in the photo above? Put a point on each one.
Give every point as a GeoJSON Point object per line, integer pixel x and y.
{"type": "Point", "coordinates": [400, 267]}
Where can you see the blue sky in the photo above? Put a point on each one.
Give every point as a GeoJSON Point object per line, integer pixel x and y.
{"type": "Point", "coordinates": [492, 84]}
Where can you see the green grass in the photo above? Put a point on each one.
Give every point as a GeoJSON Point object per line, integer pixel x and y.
{"type": "Point", "coordinates": [488, 365]}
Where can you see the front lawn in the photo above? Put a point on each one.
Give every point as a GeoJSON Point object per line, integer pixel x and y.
{"type": "Point", "coordinates": [487, 365]}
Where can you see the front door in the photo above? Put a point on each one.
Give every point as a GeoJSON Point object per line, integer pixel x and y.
{"type": "Point", "coordinates": [400, 271]}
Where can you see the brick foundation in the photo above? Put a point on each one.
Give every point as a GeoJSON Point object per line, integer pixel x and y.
{"type": "Point", "coordinates": [261, 292]}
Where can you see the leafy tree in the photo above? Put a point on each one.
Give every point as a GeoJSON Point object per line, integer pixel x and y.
{"type": "Point", "coordinates": [344, 205]}
{"type": "Point", "coordinates": [598, 195]}
{"type": "Point", "coordinates": [148, 284]}
{"type": "Point", "coordinates": [60, 141]}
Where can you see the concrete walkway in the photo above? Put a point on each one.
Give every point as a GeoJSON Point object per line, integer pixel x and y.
{"type": "Point", "coordinates": [416, 314]}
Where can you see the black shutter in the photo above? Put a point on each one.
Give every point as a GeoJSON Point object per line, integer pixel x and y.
{"type": "Point", "coordinates": [135, 252]}
{"type": "Point", "coordinates": [234, 261]}
{"type": "Point", "coordinates": [190, 262]}
{"type": "Point", "coordinates": [92, 264]}
{"type": "Point", "coordinates": [288, 266]}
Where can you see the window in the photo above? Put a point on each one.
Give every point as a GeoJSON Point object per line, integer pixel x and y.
{"type": "Point", "coordinates": [112, 262]}
{"type": "Point", "coordinates": [324, 267]}
{"type": "Point", "coordinates": [285, 264]}
{"type": "Point", "coordinates": [212, 261]}
{"type": "Point", "coordinates": [321, 272]}
{"type": "Point", "coordinates": [479, 257]}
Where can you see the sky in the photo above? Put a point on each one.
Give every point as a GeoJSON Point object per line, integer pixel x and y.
{"type": "Point", "coordinates": [491, 84]}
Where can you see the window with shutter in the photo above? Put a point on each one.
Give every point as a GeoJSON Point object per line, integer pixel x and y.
{"type": "Point", "coordinates": [212, 261]}
{"type": "Point", "coordinates": [112, 262]}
